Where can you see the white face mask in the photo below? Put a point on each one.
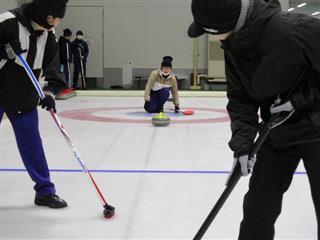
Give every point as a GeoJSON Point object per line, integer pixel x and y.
{"type": "Point", "coordinates": [80, 37]}
{"type": "Point", "coordinates": [165, 75]}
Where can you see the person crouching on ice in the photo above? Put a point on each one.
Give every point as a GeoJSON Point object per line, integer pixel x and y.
{"type": "Point", "coordinates": [158, 87]}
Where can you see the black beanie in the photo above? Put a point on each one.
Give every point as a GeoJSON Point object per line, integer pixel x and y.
{"type": "Point", "coordinates": [39, 10]}
{"type": "Point", "coordinates": [55, 8]}
{"type": "Point", "coordinates": [167, 61]}
{"type": "Point", "coordinates": [79, 33]}
{"type": "Point", "coordinates": [214, 16]}
{"type": "Point", "coordinates": [67, 32]}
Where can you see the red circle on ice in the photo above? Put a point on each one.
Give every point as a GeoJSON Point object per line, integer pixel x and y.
{"type": "Point", "coordinates": [89, 115]}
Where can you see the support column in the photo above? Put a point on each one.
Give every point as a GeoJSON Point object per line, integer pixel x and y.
{"type": "Point", "coordinates": [284, 4]}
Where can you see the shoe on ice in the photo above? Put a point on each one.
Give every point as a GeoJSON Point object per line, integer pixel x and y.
{"type": "Point", "coordinates": [160, 109]}
{"type": "Point", "coordinates": [51, 201]}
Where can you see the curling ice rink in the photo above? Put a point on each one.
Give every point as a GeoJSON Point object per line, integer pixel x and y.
{"type": "Point", "coordinates": [162, 181]}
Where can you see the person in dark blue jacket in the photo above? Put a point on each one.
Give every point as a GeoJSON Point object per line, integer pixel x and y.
{"type": "Point", "coordinates": [80, 53]}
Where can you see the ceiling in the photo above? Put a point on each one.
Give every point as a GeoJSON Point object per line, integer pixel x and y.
{"type": "Point", "coordinates": [311, 6]}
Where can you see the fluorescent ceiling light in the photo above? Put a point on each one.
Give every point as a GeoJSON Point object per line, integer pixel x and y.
{"type": "Point", "coordinates": [315, 13]}
{"type": "Point", "coordinates": [290, 9]}
{"type": "Point", "coordinates": [301, 5]}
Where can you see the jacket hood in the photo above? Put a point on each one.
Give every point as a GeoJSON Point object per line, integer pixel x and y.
{"type": "Point", "coordinates": [247, 38]}
{"type": "Point", "coordinates": [22, 18]}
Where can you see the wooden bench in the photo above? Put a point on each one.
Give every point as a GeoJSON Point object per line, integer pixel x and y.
{"type": "Point", "coordinates": [140, 80]}
{"type": "Point", "coordinates": [209, 81]}
{"type": "Point", "coordinates": [216, 79]}
{"type": "Point", "coordinates": [181, 78]}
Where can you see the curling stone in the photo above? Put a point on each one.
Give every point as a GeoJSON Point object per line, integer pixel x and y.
{"type": "Point", "coordinates": [161, 120]}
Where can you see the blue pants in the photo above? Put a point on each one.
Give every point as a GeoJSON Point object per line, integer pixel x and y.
{"type": "Point", "coordinates": [77, 71]}
{"type": "Point", "coordinates": [26, 130]}
{"type": "Point", "coordinates": [157, 100]}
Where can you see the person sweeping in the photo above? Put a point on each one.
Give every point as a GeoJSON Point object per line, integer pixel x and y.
{"type": "Point", "coordinates": [28, 30]}
{"type": "Point", "coordinates": [159, 85]}
{"type": "Point", "coordinates": [269, 55]}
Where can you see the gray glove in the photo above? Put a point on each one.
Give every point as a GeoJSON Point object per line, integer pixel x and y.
{"type": "Point", "coordinates": [13, 48]}
{"type": "Point", "coordinates": [246, 164]}
{"type": "Point", "coordinates": [285, 107]}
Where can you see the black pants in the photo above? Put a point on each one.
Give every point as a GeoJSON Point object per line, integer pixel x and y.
{"type": "Point", "coordinates": [77, 70]}
{"type": "Point", "coordinates": [271, 178]}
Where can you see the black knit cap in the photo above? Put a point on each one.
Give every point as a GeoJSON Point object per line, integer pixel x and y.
{"type": "Point", "coordinates": [55, 8]}
{"type": "Point", "coordinates": [79, 33]}
{"type": "Point", "coordinates": [214, 16]}
{"type": "Point", "coordinates": [167, 61]}
{"type": "Point", "coordinates": [67, 32]}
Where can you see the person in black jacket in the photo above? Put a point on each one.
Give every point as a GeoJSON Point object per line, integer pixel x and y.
{"type": "Point", "coordinates": [28, 30]}
{"type": "Point", "coordinates": [80, 53]}
{"type": "Point", "coordinates": [65, 51]}
{"type": "Point", "coordinates": [269, 55]}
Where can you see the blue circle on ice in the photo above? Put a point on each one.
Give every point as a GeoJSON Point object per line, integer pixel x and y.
{"type": "Point", "coordinates": [145, 114]}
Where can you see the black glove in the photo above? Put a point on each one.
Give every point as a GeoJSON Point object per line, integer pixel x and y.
{"type": "Point", "coordinates": [13, 48]}
{"type": "Point", "coordinates": [176, 109]}
{"type": "Point", "coordinates": [147, 106]}
{"type": "Point", "coordinates": [48, 103]}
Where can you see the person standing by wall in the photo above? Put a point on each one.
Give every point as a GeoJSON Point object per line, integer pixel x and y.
{"type": "Point", "coordinates": [80, 53]}
{"type": "Point", "coordinates": [66, 54]}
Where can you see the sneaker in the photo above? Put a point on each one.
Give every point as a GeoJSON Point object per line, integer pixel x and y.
{"type": "Point", "coordinates": [51, 201]}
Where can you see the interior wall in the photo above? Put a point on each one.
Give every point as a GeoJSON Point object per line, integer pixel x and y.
{"type": "Point", "coordinates": [142, 32]}
{"type": "Point", "coordinates": [6, 5]}
{"type": "Point", "coordinates": [284, 4]}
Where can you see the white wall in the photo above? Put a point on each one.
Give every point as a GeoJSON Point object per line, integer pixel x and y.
{"type": "Point", "coordinates": [146, 30]}
{"type": "Point", "coordinates": [142, 31]}
{"type": "Point", "coordinates": [6, 5]}
{"type": "Point", "coordinates": [284, 4]}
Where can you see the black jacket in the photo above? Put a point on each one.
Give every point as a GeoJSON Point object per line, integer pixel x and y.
{"type": "Point", "coordinates": [65, 50]}
{"type": "Point", "coordinates": [275, 54]}
{"type": "Point", "coordinates": [17, 94]}
{"type": "Point", "coordinates": [83, 46]}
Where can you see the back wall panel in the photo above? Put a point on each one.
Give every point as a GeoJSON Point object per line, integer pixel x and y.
{"type": "Point", "coordinates": [143, 31]}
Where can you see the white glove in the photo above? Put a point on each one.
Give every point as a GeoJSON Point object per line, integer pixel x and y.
{"type": "Point", "coordinates": [246, 164]}
{"type": "Point", "coordinates": [286, 107]}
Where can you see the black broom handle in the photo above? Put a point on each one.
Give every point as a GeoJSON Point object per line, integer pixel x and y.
{"type": "Point", "coordinates": [234, 179]}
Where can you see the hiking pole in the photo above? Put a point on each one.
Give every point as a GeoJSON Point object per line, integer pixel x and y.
{"type": "Point", "coordinates": [275, 120]}
{"type": "Point", "coordinates": [68, 64]}
{"type": "Point", "coordinates": [84, 85]}
{"type": "Point", "coordinates": [108, 209]}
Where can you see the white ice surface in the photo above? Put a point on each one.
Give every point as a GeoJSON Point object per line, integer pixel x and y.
{"type": "Point", "coordinates": [148, 205]}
